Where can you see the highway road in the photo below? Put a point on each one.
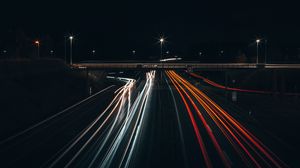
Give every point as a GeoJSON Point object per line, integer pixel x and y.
{"type": "Point", "coordinates": [186, 128]}
{"type": "Point", "coordinates": [160, 120]}
{"type": "Point", "coordinates": [226, 137]}
{"type": "Point", "coordinates": [33, 146]}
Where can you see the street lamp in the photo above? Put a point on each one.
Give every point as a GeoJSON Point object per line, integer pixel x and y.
{"type": "Point", "coordinates": [200, 53]}
{"type": "Point", "coordinates": [257, 43]}
{"type": "Point", "coordinates": [38, 48]}
{"type": "Point", "coordinates": [161, 40]}
{"type": "Point", "coordinates": [71, 41]}
{"type": "Point", "coordinates": [4, 53]}
{"type": "Point", "coordinates": [93, 52]}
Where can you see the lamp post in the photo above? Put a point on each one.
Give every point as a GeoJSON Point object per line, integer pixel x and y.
{"type": "Point", "coordinates": [161, 40]}
{"type": "Point", "coordinates": [71, 41]}
{"type": "Point", "coordinates": [38, 48]}
{"type": "Point", "coordinates": [257, 44]}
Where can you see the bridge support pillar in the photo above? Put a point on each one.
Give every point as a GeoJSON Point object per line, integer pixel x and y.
{"type": "Point", "coordinates": [89, 89]}
{"type": "Point", "coordinates": [275, 82]}
{"type": "Point", "coordinates": [226, 83]}
{"type": "Point", "coordinates": [282, 83]}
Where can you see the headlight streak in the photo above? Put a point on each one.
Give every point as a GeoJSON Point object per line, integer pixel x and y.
{"type": "Point", "coordinates": [222, 118]}
{"type": "Point", "coordinates": [100, 149]}
{"type": "Point", "coordinates": [124, 125]}
{"type": "Point", "coordinates": [120, 136]}
{"type": "Point", "coordinates": [138, 107]}
{"type": "Point", "coordinates": [151, 77]}
{"type": "Point", "coordinates": [116, 102]}
{"type": "Point", "coordinates": [124, 91]}
{"type": "Point", "coordinates": [86, 131]}
{"type": "Point", "coordinates": [118, 119]}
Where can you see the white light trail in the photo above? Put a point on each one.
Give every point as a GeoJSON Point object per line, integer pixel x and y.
{"type": "Point", "coordinates": [123, 120]}
{"type": "Point", "coordinates": [115, 104]}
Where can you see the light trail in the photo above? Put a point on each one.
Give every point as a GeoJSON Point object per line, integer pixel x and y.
{"type": "Point", "coordinates": [150, 79]}
{"type": "Point", "coordinates": [234, 123]}
{"type": "Point", "coordinates": [113, 105]}
{"type": "Point", "coordinates": [233, 130]}
{"type": "Point", "coordinates": [183, 148]}
{"type": "Point", "coordinates": [121, 118]}
{"type": "Point", "coordinates": [209, 110]}
{"type": "Point", "coordinates": [212, 83]}
{"type": "Point", "coordinates": [196, 129]}
{"type": "Point", "coordinates": [206, 126]}
{"type": "Point", "coordinates": [55, 116]}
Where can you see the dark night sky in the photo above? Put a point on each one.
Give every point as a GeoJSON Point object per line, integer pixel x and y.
{"type": "Point", "coordinates": [114, 28]}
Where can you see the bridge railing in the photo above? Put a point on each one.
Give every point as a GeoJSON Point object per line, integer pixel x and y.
{"type": "Point", "coordinates": [160, 65]}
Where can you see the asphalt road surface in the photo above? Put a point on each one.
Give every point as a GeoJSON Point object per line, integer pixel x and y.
{"type": "Point", "coordinates": [160, 120]}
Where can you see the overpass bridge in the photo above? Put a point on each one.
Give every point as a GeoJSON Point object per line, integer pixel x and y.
{"type": "Point", "coordinates": [177, 65]}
